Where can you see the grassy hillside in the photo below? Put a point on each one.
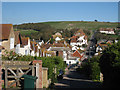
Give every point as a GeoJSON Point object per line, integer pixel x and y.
{"type": "Point", "coordinates": [45, 30]}
{"type": "Point", "coordinates": [81, 24]}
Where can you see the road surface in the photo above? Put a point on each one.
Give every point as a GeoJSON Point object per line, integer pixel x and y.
{"type": "Point", "coordinates": [72, 79]}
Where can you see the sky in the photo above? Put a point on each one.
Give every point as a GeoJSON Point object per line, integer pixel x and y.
{"type": "Point", "coordinates": [33, 12]}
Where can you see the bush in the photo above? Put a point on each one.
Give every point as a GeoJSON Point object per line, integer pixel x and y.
{"type": "Point", "coordinates": [95, 71]}
{"type": "Point", "coordinates": [54, 64]}
{"type": "Point", "coordinates": [91, 68]}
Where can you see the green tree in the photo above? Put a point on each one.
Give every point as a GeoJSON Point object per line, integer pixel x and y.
{"type": "Point", "coordinates": [110, 65]}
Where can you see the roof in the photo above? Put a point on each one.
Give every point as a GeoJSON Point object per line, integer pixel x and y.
{"type": "Point", "coordinates": [59, 49]}
{"type": "Point", "coordinates": [24, 41]}
{"type": "Point", "coordinates": [32, 43]}
{"type": "Point", "coordinates": [49, 52]}
{"type": "Point", "coordinates": [109, 42]}
{"type": "Point", "coordinates": [77, 54]}
{"type": "Point", "coordinates": [17, 37]}
{"type": "Point", "coordinates": [106, 29]}
{"type": "Point", "coordinates": [57, 33]}
{"type": "Point", "coordinates": [79, 33]}
{"type": "Point", "coordinates": [46, 46]}
{"type": "Point", "coordinates": [58, 45]}
{"type": "Point", "coordinates": [73, 39]}
{"type": "Point", "coordinates": [6, 28]}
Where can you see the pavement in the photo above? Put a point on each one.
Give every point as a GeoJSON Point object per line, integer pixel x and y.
{"type": "Point", "coordinates": [73, 79]}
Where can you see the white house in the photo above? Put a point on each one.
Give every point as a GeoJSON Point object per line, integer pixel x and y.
{"type": "Point", "coordinates": [107, 30]}
{"type": "Point", "coordinates": [78, 41]}
{"type": "Point", "coordinates": [57, 39]}
{"type": "Point", "coordinates": [35, 48]}
{"type": "Point", "coordinates": [24, 47]}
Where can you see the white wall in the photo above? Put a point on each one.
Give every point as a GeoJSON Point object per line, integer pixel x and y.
{"type": "Point", "coordinates": [80, 42]}
{"type": "Point", "coordinates": [72, 61]}
{"type": "Point", "coordinates": [108, 32]}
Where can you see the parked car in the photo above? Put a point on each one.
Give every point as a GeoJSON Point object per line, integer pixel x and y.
{"type": "Point", "coordinates": [60, 76]}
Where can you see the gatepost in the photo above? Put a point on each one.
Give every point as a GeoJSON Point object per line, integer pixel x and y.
{"type": "Point", "coordinates": [38, 64]}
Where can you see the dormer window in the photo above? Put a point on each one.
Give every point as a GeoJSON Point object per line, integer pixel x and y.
{"type": "Point", "coordinates": [11, 43]}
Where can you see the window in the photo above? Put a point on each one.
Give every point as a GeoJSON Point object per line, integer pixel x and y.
{"type": "Point", "coordinates": [26, 52]}
{"type": "Point", "coordinates": [11, 43]}
{"type": "Point", "coordinates": [57, 53]}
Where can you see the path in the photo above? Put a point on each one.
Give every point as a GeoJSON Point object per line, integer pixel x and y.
{"type": "Point", "coordinates": [72, 79]}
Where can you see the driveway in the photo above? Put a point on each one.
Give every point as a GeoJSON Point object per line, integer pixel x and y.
{"type": "Point", "coordinates": [72, 79]}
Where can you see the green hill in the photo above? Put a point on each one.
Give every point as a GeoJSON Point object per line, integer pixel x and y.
{"type": "Point", "coordinates": [45, 30]}
{"type": "Point", "coordinates": [81, 24]}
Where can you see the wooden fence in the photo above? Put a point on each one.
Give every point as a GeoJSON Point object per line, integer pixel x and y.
{"type": "Point", "coordinates": [14, 70]}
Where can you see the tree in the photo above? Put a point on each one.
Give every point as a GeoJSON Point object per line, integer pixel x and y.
{"type": "Point", "coordinates": [110, 65]}
{"type": "Point", "coordinates": [96, 21]}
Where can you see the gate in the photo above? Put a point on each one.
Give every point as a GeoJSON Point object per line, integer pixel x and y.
{"type": "Point", "coordinates": [15, 72]}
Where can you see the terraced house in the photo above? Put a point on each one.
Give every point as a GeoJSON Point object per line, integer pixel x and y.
{"type": "Point", "coordinates": [13, 41]}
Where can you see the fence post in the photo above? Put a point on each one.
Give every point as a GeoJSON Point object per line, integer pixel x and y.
{"type": "Point", "coordinates": [38, 64]}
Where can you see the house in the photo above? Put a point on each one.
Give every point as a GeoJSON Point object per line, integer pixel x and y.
{"type": "Point", "coordinates": [44, 49]}
{"type": "Point", "coordinates": [17, 41]}
{"type": "Point", "coordinates": [7, 37]}
{"type": "Point", "coordinates": [100, 47]}
{"type": "Point", "coordinates": [24, 48]}
{"type": "Point", "coordinates": [107, 30]}
{"type": "Point", "coordinates": [35, 48]}
{"type": "Point", "coordinates": [78, 41]}
{"type": "Point", "coordinates": [57, 37]}
{"type": "Point", "coordinates": [74, 57]}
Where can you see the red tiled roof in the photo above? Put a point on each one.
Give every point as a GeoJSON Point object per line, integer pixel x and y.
{"type": "Point", "coordinates": [6, 28]}
{"type": "Point", "coordinates": [77, 54]}
{"type": "Point", "coordinates": [74, 37]}
{"type": "Point", "coordinates": [109, 42]}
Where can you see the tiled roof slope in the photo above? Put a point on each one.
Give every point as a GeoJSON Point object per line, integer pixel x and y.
{"type": "Point", "coordinates": [6, 28]}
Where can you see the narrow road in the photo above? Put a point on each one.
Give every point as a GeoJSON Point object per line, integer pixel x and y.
{"type": "Point", "coordinates": [72, 79]}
